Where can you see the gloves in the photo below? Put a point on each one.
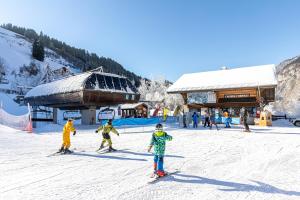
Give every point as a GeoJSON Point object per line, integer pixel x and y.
{"type": "Point", "coordinates": [96, 131]}
{"type": "Point", "coordinates": [74, 133]}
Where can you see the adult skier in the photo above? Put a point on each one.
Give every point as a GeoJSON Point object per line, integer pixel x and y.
{"type": "Point", "coordinates": [158, 140]}
{"type": "Point", "coordinates": [206, 119]}
{"type": "Point", "coordinates": [106, 129]}
{"type": "Point", "coordinates": [245, 119]}
{"type": "Point", "coordinates": [195, 117]}
{"type": "Point", "coordinates": [68, 128]}
{"type": "Point", "coordinates": [212, 120]}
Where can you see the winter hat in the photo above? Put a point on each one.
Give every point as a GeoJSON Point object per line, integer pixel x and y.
{"type": "Point", "coordinates": [159, 130]}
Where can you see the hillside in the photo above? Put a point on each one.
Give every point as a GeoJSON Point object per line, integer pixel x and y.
{"type": "Point", "coordinates": [18, 68]}
{"type": "Point", "coordinates": [79, 59]}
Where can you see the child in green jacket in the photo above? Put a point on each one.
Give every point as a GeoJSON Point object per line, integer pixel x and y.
{"type": "Point", "coordinates": [159, 138]}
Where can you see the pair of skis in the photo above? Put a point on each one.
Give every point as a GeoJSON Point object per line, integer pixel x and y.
{"type": "Point", "coordinates": [60, 153]}
{"type": "Point", "coordinates": [155, 178]}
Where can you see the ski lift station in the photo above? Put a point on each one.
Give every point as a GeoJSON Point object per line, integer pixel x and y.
{"type": "Point", "coordinates": [85, 92]}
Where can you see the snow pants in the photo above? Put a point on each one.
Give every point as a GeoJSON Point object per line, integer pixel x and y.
{"type": "Point", "coordinates": [66, 140]}
{"type": "Point", "coordinates": [227, 122]}
{"type": "Point", "coordinates": [195, 124]}
{"type": "Point", "coordinates": [158, 163]}
{"type": "Point", "coordinates": [106, 138]}
{"type": "Point", "coordinates": [206, 122]}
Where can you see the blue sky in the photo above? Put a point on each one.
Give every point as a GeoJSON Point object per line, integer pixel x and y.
{"type": "Point", "coordinates": [168, 37]}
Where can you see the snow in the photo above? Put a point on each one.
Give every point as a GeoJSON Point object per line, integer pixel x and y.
{"type": "Point", "coordinates": [131, 105]}
{"type": "Point", "coordinates": [227, 164]}
{"type": "Point", "coordinates": [10, 106]}
{"type": "Point", "coordinates": [255, 76]}
{"type": "Point", "coordinates": [70, 84]}
{"type": "Point", "coordinates": [15, 51]}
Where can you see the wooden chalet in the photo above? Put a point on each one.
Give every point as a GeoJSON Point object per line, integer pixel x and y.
{"type": "Point", "coordinates": [227, 89]}
{"type": "Point", "coordinates": [139, 110]}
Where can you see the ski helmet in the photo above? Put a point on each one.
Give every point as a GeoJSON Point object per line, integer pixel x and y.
{"type": "Point", "coordinates": [159, 127]}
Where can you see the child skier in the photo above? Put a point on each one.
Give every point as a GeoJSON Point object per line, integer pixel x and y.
{"type": "Point", "coordinates": [159, 138]}
{"type": "Point", "coordinates": [68, 128]}
{"type": "Point", "coordinates": [107, 128]}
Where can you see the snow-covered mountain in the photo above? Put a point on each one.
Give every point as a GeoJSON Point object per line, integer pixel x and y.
{"type": "Point", "coordinates": [18, 68]}
{"type": "Point", "coordinates": [288, 88]}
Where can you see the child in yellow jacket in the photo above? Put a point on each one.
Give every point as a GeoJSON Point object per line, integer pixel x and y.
{"type": "Point", "coordinates": [107, 128]}
{"type": "Point", "coordinates": [68, 128]}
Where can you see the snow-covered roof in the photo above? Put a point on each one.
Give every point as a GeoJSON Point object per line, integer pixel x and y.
{"type": "Point", "coordinates": [255, 76]}
{"type": "Point", "coordinates": [78, 83]}
{"type": "Point", "coordinates": [70, 84]}
{"type": "Point", "coordinates": [131, 105]}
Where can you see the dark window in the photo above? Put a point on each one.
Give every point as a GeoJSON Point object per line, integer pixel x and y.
{"type": "Point", "coordinates": [269, 94]}
{"type": "Point", "coordinates": [91, 82]}
{"type": "Point", "coordinates": [116, 83]}
{"type": "Point", "coordinates": [101, 81]}
{"type": "Point", "coordinates": [109, 82]}
{"type": "Point", "coordinates": [246, 99]}
{"type": "Point", "coordinates": [131, 86]}
{"type": "Point", "coordinates": [123, 84]}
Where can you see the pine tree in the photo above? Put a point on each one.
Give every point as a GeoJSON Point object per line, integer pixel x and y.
{"type": "Point", "coordinates": [38, 51]}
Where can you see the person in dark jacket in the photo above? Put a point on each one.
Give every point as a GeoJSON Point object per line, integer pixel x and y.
{"type": "Point", "coordinates": [195, 117]}
{"type": "Point", "coordinates": [206, 118]}
{"type": "Point", "coordinates": [212, 120]}
{"type": "Point", "coordinates": [245, 119]}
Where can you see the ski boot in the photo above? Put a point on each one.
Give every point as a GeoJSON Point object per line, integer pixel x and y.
{"type": "Point", "coordinates": [101, 147]}
{"type": "Point", "coordinates": [67, 151]}
{"type": "Point", "coordinates": [161, 173]}
{"type": "Point", "coordinates": [110, 149]}
{"type": "Point", "coordinates": [61, 150]}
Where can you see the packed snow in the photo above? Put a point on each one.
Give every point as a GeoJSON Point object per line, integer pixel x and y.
{"type": "Point", "coordinates": [226, 164]}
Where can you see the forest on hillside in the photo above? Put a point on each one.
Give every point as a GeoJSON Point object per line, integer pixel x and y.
{"type": "Point", "coordinates": [79, 58]}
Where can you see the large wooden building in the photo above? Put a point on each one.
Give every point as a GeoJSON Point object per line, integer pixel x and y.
{"type": "Point", "coordinates": [86, 92]}
{"type": "Point", "coordinates": [228, 89]}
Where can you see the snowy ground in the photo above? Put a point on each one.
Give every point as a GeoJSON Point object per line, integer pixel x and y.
{"type": "Point", "coordinates": [228, 164]}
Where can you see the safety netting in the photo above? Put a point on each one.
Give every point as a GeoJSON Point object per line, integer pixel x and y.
{"type": "Point", "coordinates": [20, 122]}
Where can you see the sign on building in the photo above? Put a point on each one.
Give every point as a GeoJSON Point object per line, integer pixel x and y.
{"type": "Point", "coordinates": [201, 97]}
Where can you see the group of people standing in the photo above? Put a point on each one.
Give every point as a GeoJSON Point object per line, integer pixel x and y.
{"type": "Point", "coordinates": [210, 119]}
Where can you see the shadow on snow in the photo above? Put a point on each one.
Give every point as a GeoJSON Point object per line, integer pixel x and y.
{"type": "Point", "coordinates": [232, 186]}
{"type": "Point", "coordinates": [106, 156]}
{"type": "Point", "coordinates": [145, 154]}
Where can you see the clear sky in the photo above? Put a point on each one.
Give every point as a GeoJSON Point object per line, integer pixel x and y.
{"type": "Point", "coordinates": [168, 37]}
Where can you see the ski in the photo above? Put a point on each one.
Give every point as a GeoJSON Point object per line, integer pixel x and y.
{"type": "Point", "coordinates": [155, 178]}
{"type": "Point", "coordinates": [60, 153]}
{"type": "Point", "coordinates": [102, 151]}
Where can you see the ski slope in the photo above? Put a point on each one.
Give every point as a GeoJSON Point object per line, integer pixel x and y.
{"type": "Point", "coordinates": [226, 164]}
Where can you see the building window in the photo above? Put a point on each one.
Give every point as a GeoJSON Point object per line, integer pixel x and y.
{"type": "Point", "coordinates": [268, 94]}
{"type": "Point", "coordinates": [127, 96]}
{"type": "Point", "coordinates": [132, 97]}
